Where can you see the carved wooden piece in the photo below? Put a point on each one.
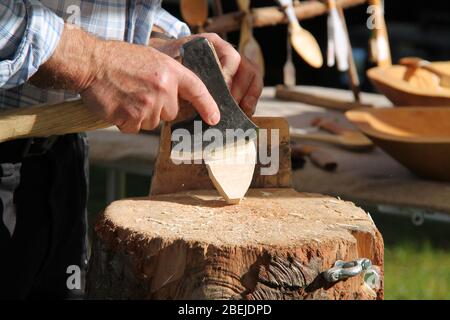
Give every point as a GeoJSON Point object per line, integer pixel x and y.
{"type": "Point", "coordinates": [273, 245]}
{"type": "Point", "coordinates": [231, 171]}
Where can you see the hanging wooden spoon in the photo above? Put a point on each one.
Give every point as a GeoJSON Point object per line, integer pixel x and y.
{"type": "Point", "coordinates": [248, 46]}
{"type": "Point", "coordinates": [380, 53]}
{"type": "Point", "coordinates": [338, 43]}
{"type": "Point", "coordinates": [302, 40]}
{"type": "Point", "coordinates": [414, 62]}
{"type": "Point", "coordinates": [195, 13]}
{"type": "Point", "coordinates": [289, 72]}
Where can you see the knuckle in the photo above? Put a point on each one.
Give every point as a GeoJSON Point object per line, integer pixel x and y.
{"type": "Point", "coordinates": [199, 92]}
{"type": "Point", "coordinates": [144, 100]}
{"type": "Point", "coordinates": [161, 81]}
{"type": "Point", "coordinates": [134, 113]}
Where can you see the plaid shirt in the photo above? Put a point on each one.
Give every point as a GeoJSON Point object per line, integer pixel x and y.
{"type": "Point", "coordinates": [30, 31]}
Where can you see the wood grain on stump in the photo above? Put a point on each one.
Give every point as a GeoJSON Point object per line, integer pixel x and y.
{"type": "Point", "coordinates": [191, 245]}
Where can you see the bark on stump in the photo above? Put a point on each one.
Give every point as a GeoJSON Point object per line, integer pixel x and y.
{"type": "Point", "coordinates": [189, 245]}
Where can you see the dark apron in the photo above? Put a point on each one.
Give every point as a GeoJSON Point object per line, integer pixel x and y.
{"type": "Point", "coordinates": [43, 196]}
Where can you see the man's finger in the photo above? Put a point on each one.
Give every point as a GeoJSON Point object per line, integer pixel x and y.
{"type": "Point", "coordinates": [241, 83]}
{"type": "Point", "coordinates": [228, 56]}
{"type": "Point", "coordinates": [247, 85]}
{"type": "Point", "coordinates": [250, 99]}
{"type": "Point", "coordinates": [193, 90]}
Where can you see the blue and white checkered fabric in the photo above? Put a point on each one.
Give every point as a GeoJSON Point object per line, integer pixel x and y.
{"type": "Point", "coordinates": [30, 31]}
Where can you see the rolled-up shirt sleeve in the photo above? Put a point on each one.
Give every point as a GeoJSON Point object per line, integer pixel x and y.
{"type": "Point", "coordinates": [29, 34]}
{"type": "Point", "coordinates": [171, 25]}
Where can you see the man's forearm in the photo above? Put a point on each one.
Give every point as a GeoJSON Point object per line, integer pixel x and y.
{"type": "Point", "coordinates": [74, 64]}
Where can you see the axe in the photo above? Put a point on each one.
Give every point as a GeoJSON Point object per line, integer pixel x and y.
{"type": "Point", "coordinates": [230, 163]}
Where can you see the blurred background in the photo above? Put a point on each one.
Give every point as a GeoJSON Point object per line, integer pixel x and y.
{"type": "Point", "coordinates": [417, 257]}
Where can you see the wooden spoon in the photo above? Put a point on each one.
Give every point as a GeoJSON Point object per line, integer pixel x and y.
{"type": "Point", "coordinates": [379, 43]}
{"type": "Point", "coordinates": [302, 40]}
{"type": "Point", "coordinates": [338, 43]}
{"type": "Point", "coordinates": [248, 46]}
{"type": "Point", "coordinates": [194, 12]}
{"type": "Point", "coordinates": [289, 72]}
{"type": "Point", "coordinates": [415, 62]}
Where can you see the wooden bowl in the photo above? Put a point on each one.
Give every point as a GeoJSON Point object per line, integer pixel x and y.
{"type": "Point", "coordinates": [411, 87]}
{"type": "Point", "coordinates": [417, 137]}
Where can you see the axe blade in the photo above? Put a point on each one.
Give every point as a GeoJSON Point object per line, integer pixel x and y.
{"type": "Point", "coordinates": [199, 56]}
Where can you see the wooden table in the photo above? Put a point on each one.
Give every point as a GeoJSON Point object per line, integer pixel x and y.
{"type": "Point", "coordinates": [372, 178]}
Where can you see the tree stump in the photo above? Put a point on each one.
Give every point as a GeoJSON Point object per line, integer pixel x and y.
{"type": "Point", "coordinates": [190, 245]}
{"type": "Point", "coordinates": [184, 242]}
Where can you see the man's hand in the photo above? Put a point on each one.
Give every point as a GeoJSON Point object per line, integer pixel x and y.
{"type": "Point", "coordinates": [131, 86]}
{"type": "Point", "coordinates": [137, 87]}
{"type": "Point", "coordinates": [242, 75]}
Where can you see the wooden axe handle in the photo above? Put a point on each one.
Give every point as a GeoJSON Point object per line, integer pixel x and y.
{"type": "Point", "coordinates": [47, 120]}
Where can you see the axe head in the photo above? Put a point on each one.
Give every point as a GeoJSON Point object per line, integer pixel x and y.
{"type": "Point", "coordinates": [199, 56]}
{"type": "Point", "coordinates": [231, 144]}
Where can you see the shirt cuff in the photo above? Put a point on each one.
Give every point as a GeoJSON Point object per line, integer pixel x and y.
{"type": "Point", "coordinates": [41, 37]}
{"type": "Point", "coordinates": [171, 25]}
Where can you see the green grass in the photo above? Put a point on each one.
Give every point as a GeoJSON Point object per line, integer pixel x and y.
{"type": "Point", "coordinates": [417, 259]}
{"type": "Point", "coordinates": [417, 272]}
